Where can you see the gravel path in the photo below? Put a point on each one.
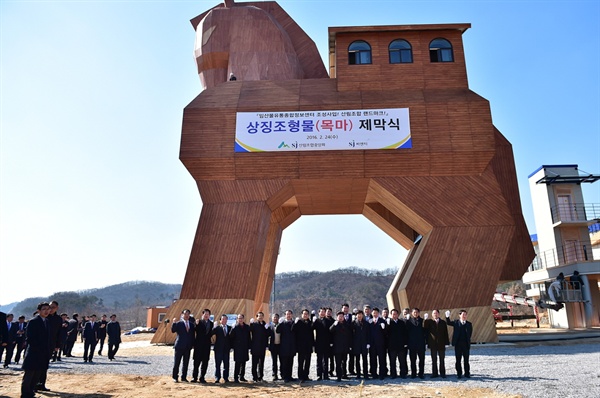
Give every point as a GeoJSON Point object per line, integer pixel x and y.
{"type": "Point", "coordinates": [565, 369]}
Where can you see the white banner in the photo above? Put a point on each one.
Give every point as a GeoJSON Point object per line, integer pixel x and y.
{"type": "Point", "coordinates": [322, 130]}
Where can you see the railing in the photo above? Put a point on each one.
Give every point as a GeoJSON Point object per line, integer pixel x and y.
{"type": "Point", "coordinates": [575, 212]}
{"type": "Point", "coordinates": [562, 255]}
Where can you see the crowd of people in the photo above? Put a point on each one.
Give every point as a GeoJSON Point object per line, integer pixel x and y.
{"type": "Point", "coordinates": [50, 335]}
{"type": "Point", "coordinates": [362, 343]}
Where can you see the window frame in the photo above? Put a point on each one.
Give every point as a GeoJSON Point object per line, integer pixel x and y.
{"type": "Point", "coordinates": [400, 51]}
{"type": "Point", "coordinates": [356, 55]}
{"type": "Point", "coordinates": [440, 52]}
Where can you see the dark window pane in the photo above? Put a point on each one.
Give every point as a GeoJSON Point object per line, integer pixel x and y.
{"type": "Point", "coordinates": [365, 57]}
{"type": "Point", "coordinates": [406, 56]}
{"type": "Point", "coordinates": [395, 57]}
{"type": "Point", "coordinates": [446, 55]}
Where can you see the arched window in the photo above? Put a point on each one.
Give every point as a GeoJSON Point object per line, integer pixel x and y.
{"type": "Point", "coordinates": [400, 52]}
{"type": "Point", "coordinates": [440, 50]}
{"type": "Point", "coordinates": [359, 53]}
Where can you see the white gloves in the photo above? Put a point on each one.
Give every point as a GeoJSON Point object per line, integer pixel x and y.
{"type": "Point", "coordinates": [251, 320]}
{"type": "Point", "coordinates": [335, 323]}
{"type": "Point", "coordinates": [382, 325]}
{"type": "Point", "coordinates": [267, 326]}
{"type": "Point", "coordinates": [426, 316]}
{"type": "Point", "coordinates": [447, 314]}
{"type": "Point", "coordinates": [368, 346]}
{"type": "Point", "coordinates": [297, 319]}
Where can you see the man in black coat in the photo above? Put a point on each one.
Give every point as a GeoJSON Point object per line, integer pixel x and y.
{"type": "Point", "coordinates": [377, 349]}
{"type": "Point", "coordinates": [437, 340]}
{"type": "Point", "coordinates": [62, 338]}
{"type": "Point", "coordinates": [330, 317]}
{"type": "Point", "coordinates": [222, 348]}
{"type": "Point", "coordinates": [71, 334]}
{"type": "Point", "coordinates": [417, 340]}
{"type": "Point", "coordinates": [461, 340]}
{"type": "Point", "coordinates": [90, 338]}
{"type": "Point", "coordinates": [305, 341]}
{"type": "Point", "coordinates": [3, 331]}
{"type": "Point", "coordinates": [361, 343]}
{"type": "Point", "coordinates": [287, 349]}
{"type": "Point", "coordinates": [37, 354]}
{"type": "Point", "coordinates": [184, 327]}
{"type": "Point", "coordinates": [202, 343]}
{"type": "Point", "coordinates": [102, 333]}
{"type": "Point", "coordinates": [54, 322]}
{"type": "Point", "coordinates": [274, 346]}
{"type": "Point", "coordinates": [20, 341]}
{"type": "Point", "coordinates": [323, 343]}
{"type": "Point", "coordinates": [259, 339]}
{"type": "Point", "coordinates": [240, 342]}
{"type": "Point", "coordinates": [113, 331]}
{"type": "Point", "coordinates": [396, 343]}
{"type": "Point", "coordinates": [342, 340]}
{"type": "Point", "coordinates": [348, 367]}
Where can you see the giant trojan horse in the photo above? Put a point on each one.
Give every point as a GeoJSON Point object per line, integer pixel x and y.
{"type": "Point", "coordinates": [448, 193]}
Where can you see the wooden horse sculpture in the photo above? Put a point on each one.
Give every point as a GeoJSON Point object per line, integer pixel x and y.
{"type": "Point", "coordinates": [451, 200]}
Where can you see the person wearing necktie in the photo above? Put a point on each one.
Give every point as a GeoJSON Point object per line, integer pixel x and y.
{"type": "Point", "coordinates": [222, 349]}
{"type": "Point", "coordinates": [202, 346]}
{"type": "Point", "coordinates": [20, 341]}
{"type": "Point", "coordinates": [183, 344]}
{"type": "Point", "coordinates": [37, 354]}
{"type": "Point", "coordinates": [437, 340]}
{"type": "Point", "coordinates": [461, 340]}
{"type": "Point", "coordinates": [9, 340]}
{"type": "Point", "coordinates": [90, 339]}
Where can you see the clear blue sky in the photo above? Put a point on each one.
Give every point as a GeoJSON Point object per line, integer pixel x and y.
{"type": "Point", "coordinates": [92, 192]}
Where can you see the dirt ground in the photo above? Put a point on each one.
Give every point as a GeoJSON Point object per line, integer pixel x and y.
{"type": "Point", "coordinates": [106, 385]}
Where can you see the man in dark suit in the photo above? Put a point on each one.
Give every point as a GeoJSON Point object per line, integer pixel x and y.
{"type": "Point", "coordinates": [3, 332]}
{"type": "Point", "coordinates": [361, 342]}
{"type": "Point", "coordinates": [259, 339]}
{"type": "Point", "coordinates": [461, 340]}
{"type": "Point", "coordinates": [102, 333]}
{"type": "Point", "coordinates": [274, 346]}
{"type": "Point", "coordinates": [54, 322]}
{"type": "Point", "coordinates": [396, 342]}
{"type": "Point", "coordinates": [377, 349]}
{"type": "Point", "coordinates": [305, 341]}
{"type": "Point", "coordinates": [417, 340]}
{"type": "Point", "coordinates": [341, 333]}
{"type": "Point", "coordinates": [62, 338]}
{"type": "Point", "coordinates": [222, 348]}
{"type": "Point", "coordinates": [323, 343]}
{"type": "Point", "coordinates": [184, 327]}
{"type": "Point", "coordinates": [37, 354]}
{"type": "Point", "coordinates": [202, 343]}
{"type": "Point", "coordinates": [240, 342]}
{"type": "Point", "coordinates": [330, 318]}
{"type": "Point", "coordinates": [20, 340]}
{"type": "Point", "coordinates": [348, 367]}
{"type": "Point", "coordinates": [113, 331]}
{"type": "Point", "coordinates": [71, 334]}
{"type": "Point", "coordinates": [437, 340]}
{"type": "Point", "coordinates": [90, 338]}
{"type": "Point", "coordinates": [287, 349]}
{"type": "Point", "coordinates": [10, 340]}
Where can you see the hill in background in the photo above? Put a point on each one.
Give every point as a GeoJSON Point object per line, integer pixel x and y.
{"type": "Point", "coordinates": [292, 290]}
